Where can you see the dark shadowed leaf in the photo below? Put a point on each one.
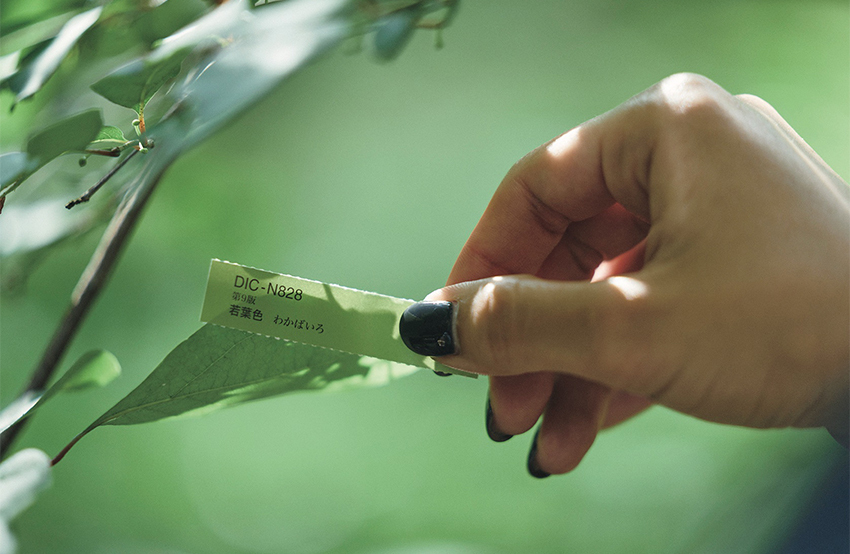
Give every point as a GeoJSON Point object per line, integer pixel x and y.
{"type": "Point", "coordinates": [35, 70]}
{"type": "Point", "coordinates": [218, 367]}
{"type": "Point", "coordinates": [12, 166]}
{"type": "Point", "coordinates": [167, 18]}
{"type": "Point", "coordinates": [394, 32]}
{"type": "Point", "coordinates": [69, 135]}
{"type": "Point", "coordinates": [134, 84]}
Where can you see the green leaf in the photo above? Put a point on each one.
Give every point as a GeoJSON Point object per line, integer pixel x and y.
{"type": "Point", "coordinates": [9, 65]}
{"type": "Point", "coordinates": [71, 134]}
{"type": "Point", "coordinates": [218, 367]}
{"type": "Point", "coordinates": [394, 32]}
{"type": "Point", "coordinates": [13, 165]}
{"type": "Point", "coordinates": [108, 137]}
{"type": "Point", "coordinates": [19, 15]}
{"type": "Point", "coordinates": [17, 409]}
{"type": "Point", "coordinates": [33, 231]}
{"type": "Point", "coordinates": [27, 227]}
{"type": "Point", "coordinates": [36, 69]}
{"type": "Point", "coordinates": [264, 47]}
{"type": "Point", "coordinates": [22, 477]}
{"type": "Point", "coordinates": [134, 84]}
{"type": "Point", "coordinates": [96, 368]}
{"type": "Point", "coordinates": [24, 33]}
{"type": "Point", "coordinates": [167, 18]}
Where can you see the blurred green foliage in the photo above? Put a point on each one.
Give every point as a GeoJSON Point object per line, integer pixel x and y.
{"type": "Point", "coordinates": [372, 175]}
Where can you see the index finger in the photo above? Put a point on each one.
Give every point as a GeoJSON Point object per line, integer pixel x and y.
{"type": "Point", "coordinates": [563, 182]}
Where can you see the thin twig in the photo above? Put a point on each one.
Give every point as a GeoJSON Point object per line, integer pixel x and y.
{"type": "Point", "coordinates": [89, 286]}
{"type": "Point", "coordinates": [89, 193]}
{"type": "Point", "coordinates": [111, 153]}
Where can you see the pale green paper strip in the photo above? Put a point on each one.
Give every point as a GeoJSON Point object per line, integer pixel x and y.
{"type": "Point", "coordinates": [311, 312]}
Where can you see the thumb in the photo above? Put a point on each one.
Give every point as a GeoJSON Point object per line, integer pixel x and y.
{"type": "Point", "coordinates": [518, 324]}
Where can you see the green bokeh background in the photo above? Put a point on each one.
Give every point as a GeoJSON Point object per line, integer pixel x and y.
{"type": "Point", "coordinates": [372, 175]}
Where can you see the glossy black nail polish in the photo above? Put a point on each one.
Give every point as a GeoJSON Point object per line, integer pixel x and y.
{"type": "Point", "coordinates": [533, 467]}
{"type": "Point", "coordinates": [426, 328]}
{"type": "Point", "coordinates": [492, 431]}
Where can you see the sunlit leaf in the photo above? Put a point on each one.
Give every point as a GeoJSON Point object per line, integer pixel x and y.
{"type": "Point", "coordinates": [96, 368]}
{"type": "Point", "coordinates": [108, 137]}
{"type": "Point", "coordinates": [21, 259]}
{"type": "Point", "coordinates": [9, 65]}
{"type": "Point", "coordinates": [71, 134]}
{"type": "Point", "coordinates": [26, 227]}
{"type": "Point", "coordinates": [17, 409]}
{"type": "Point", "coordinates": [134, 84]}
{"type": "Point", "coordinates": [17, 78]}
{"type": "Point", "coordinates": [218, 367]}
{"type": "Point", "coordinates": [22, 477]}
{"type": "Point", "coordinates": [35, 71]}
{"type": "Point", "coordinates": [25, 33]}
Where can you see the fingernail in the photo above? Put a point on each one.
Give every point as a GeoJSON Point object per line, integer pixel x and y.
{"type": "Point", "coordinates": [533, 467]}
{"type": "Point", "coordinates": [493, 431]}
{"type": "Point", "coordinates": [442, 373]}
{"type": "Point", "coordinates": [427, 328]}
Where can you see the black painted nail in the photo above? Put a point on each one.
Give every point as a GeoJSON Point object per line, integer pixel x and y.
{"type": "Point", "coordinates": [426, 328]}
{"type": "Point", "coordinates": [492, 431]}
{"type": "Point", "coordinates": [533, 467]}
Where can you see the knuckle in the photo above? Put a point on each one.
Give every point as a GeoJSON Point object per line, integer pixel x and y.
{"type": "Point", "coordinates": [690, 99]}
{"type": "Point", "coordinates": [548, 219]}
{"type": "Point", "coordinates": [752, 99]}
{"type": "Point", "coordinates": [496, 314]}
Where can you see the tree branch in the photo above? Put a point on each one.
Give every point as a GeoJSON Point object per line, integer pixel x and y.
{"type": "Point", "coordinates": [90, 285]}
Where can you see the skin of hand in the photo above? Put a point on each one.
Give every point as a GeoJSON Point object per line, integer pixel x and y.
{"type": "Point", "coordinates": [718, 244]}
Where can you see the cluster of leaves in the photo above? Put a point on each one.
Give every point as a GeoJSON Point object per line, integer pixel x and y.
{"type": "Point", "coordinates": [179, 41]}
{"type": "Point", "coordinates": [154, 69]}
{"type": "Point", "coordinates": [251, 48]}
{"type": "Point", "coordinates": [168, 73]}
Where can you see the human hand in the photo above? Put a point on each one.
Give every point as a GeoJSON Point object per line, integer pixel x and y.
{"type": "Point", "coordinates": [718, 243]}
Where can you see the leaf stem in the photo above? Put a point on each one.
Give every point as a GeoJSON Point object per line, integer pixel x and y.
{"type": "Point", "coordinates": [90, 285]}
{"type": "Point", "coordinates": [65, 450]}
